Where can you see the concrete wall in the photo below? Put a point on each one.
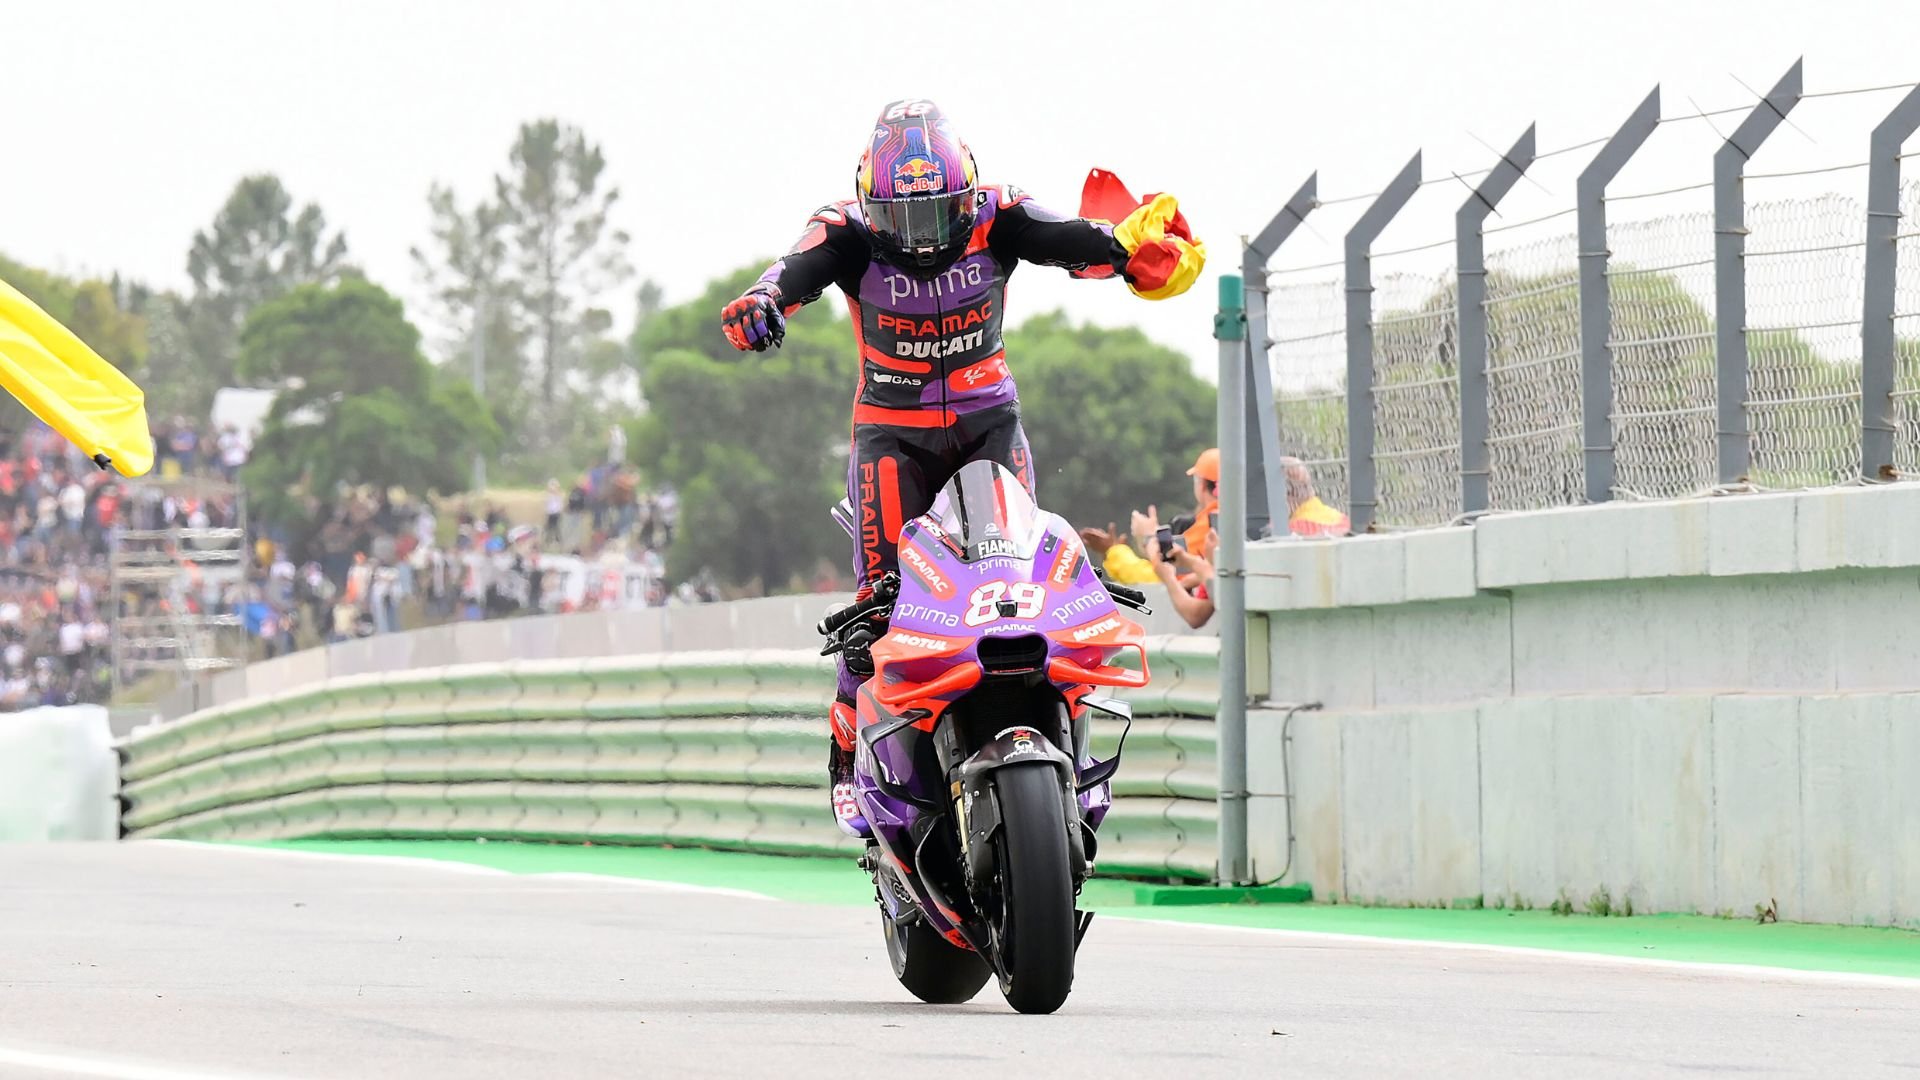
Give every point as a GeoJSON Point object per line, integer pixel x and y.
{"type": "Point", "coordinates": [1695, 706]}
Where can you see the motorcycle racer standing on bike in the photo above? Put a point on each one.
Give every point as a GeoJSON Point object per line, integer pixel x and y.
{"type": "Point", "coordinates": [922, 254]}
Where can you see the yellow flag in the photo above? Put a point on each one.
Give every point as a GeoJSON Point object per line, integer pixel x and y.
{"type": "Point", "coordinates": [70, 387]}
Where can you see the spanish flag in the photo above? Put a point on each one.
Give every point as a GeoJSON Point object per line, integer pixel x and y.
{"type": "Point", "coordinates": [70, 387]}
{"type": "Point", "coordinates": [1164, 259]}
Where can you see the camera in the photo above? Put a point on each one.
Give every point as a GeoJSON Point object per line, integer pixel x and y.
{"type": "Point", "coordinates": [1174, 534]}
{"type": "Point", "coordinates": [1164, 540]}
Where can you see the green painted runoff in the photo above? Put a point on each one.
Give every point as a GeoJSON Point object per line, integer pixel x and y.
{"type": "Point", "coordinates": [1695, 938]}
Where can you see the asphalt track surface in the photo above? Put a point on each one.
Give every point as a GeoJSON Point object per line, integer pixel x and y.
{"type": "Point", "coordinates": [160, 962]}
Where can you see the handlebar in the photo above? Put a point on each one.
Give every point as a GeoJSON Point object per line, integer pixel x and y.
{"type": "Point", "coordinates": [884, 593]}
{"type": "Point", "coordinates": [1123, 594]}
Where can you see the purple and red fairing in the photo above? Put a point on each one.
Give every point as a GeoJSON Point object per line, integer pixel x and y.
{"type": "Point", "coordinates": [984, 563]}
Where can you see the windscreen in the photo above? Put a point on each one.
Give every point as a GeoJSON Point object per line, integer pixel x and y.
{"type": "Point", "coordinates": [987, 511]}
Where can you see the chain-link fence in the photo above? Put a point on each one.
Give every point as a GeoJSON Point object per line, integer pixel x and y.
{"type": "Point", "coordinates": [1533, 374]}
{"type": "Point", "coordinates": [1416, 398]}
{"type": "Point", "coordinates": [1805, 268]}
{"type": "Point", "coordinates": [1623, 311]}
{"type": "Point", "coordinates": [1906, 327]}
{"type": "Point", "coordinates": [1308, 358]}
{"type": "Point", "coordinates": [1660, 292]}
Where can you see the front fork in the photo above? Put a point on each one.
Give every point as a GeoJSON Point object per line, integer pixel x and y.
{"type": "Point", "coordinates": [976, 810]}
{"type": "Point", "coordinates": [976, 807]}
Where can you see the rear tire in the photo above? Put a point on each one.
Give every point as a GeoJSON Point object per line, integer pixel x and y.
{"type": "Point", "coordinates": [931, 968]}
{"type": "Point", "coordinates": [1036, 932]}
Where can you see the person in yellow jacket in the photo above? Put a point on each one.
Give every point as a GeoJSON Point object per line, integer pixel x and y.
{"type": "Point", "coordinates": [1307, 515]}
{"type": "Point", "coordinates": [67, 385]}
{"type": "Point", "coordinates": [1119, 560]}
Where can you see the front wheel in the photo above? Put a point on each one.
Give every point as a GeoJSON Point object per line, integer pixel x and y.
{"type": "Point", "coordinates": [1035, 930]}
{"type": "Point", "coordinates": [931, 968]}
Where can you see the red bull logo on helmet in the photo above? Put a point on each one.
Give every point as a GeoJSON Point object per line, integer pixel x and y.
{"type": "Point", "coordinates": [919, 176]}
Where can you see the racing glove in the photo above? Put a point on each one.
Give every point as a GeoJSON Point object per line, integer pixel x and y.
{"type": "Point", "coordinates": [754, 321]}
{"type": "Point", "coordinates": [1163, 258]}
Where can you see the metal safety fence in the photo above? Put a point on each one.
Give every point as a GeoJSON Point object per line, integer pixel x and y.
{"type": "Point", "coordinates": [1734, 333]}
{"type": "Point", "coordinates": [719, 749]}
{"type": "Point", "coordinates": [1906, 316]}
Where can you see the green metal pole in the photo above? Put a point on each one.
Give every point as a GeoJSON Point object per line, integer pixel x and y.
{"type": "Point", "coordinates": [1229, 587]}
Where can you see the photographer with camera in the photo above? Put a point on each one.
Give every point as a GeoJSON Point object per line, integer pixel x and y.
{"type": "Point", "coordinates": [1180, 553]}
{"type": "Point", "coordinates": [1180, 563]}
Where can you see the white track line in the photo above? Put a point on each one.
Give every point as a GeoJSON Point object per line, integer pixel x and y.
{"type": "Point", "coordinates": [446, 865]}
{"type": "Point", "coordinates": [455, 866]}
{"type": "Point", "coordinates": [1690, 967]}
{"type": "Point", "coordinates": [109, 1068]}
{"type": "Point", "coordinates": [650, 884]}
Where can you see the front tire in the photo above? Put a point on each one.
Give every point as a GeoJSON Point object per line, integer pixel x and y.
{"type": "Point", "coordinates": [931, 968]}
{"type": "Point", "coordinates": [1036, 927]}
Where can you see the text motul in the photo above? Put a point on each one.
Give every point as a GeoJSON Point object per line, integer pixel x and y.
{"type": "Point", "coordinates": [1105, 625]}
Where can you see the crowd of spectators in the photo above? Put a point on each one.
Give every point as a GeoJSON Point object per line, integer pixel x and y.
{"type": "Point", "coordinates": [180, 449]}
{"type": "Point", "coordinates": [384, 560]}
{"type": "Point", "coordinates": [59, 516]}
{"type": "Point", "coordinates": [367, 561]}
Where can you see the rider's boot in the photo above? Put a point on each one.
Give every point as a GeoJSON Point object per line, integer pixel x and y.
{"type": "Point", "coordinates": [855, 667]}
{"type": "Point", "coordinates": [846, 809]}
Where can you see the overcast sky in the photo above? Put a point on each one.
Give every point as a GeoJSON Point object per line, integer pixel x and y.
{"type": "Point", "coordinates": [726, 124]}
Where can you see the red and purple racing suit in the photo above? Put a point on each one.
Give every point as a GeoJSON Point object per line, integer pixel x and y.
{"type": "Point", "coordinates": [935, 392]}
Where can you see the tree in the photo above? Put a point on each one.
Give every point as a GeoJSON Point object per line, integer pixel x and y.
{"type": "Point", "coordinates": [565, 253]}
{"type": "Point", "coordinates": [257, 249]}
{"type": "Point", "coordinates": [1115, 420]}
{"type": "Point", "coordinates": [358, 403]}
{"type": "Point", "coordinates": [467, 277]}
{"type": "Point", "coordinates": [755, 443]}
{"type": "Point", "coordinates": [537, 257]}
{"type": "Point", "coordinates": [649, 300]}
{"type": "Point", "coordinates": [91, 308]}
{"type": "Point", "coordinates": [177, 383]}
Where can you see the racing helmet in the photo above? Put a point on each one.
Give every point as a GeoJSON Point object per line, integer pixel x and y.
{"type": "Point", "coordinates": [916, 186]}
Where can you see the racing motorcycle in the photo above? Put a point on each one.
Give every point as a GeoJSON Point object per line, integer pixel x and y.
{"type": "Point", "coordinates": [971, 764]}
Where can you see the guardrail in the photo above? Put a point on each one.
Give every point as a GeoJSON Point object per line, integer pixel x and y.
{"type": "Point", "coordinates": [767, 622]}
{"type": "Point", "coordinates": [721, 749]}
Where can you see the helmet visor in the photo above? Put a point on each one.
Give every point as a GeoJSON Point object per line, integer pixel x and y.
{"type": "Point", "coordinates": [926, 221]}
